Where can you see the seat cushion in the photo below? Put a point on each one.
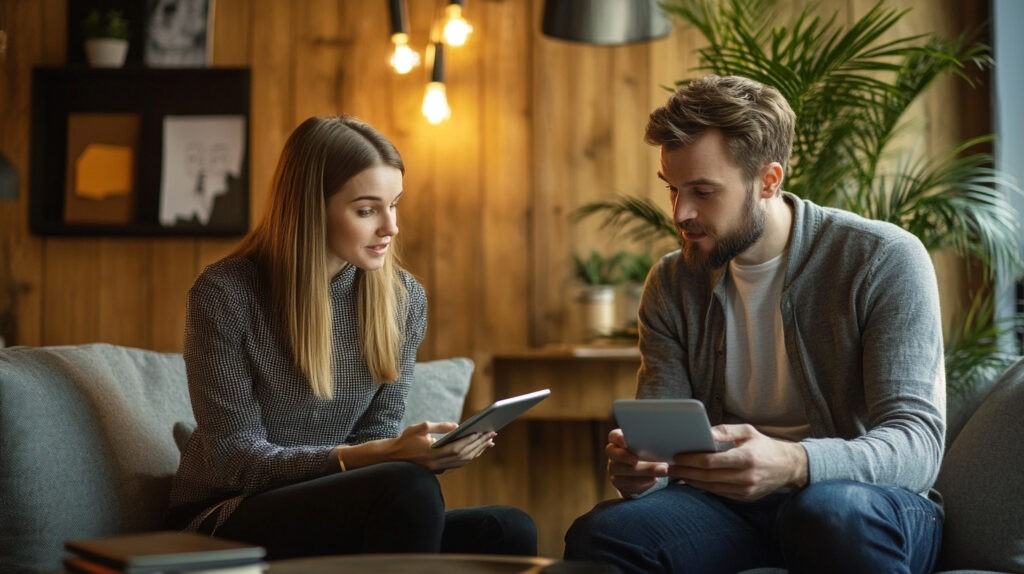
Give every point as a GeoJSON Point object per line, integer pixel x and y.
{"type": "Point", "coordinates": [982, 483]}
{"type": "Point", "coordinates": [438, 391]}
{"type": "Point", "coordinates": [86, 446]}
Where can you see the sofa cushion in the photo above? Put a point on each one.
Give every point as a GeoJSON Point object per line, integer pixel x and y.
{"type": "Point", "coordinates": [86, 448]}
{"type": "Point", "coordinates": [438, 391]}
{"type": "Point", "coordinates": [982, 483]}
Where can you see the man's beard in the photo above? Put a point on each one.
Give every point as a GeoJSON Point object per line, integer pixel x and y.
{"type": "Point", "coordinates": [749, 230]}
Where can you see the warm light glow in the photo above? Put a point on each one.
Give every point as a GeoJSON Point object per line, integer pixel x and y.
{"type": "Point", "coordinates": [404, 58]}
{"type": "Point", "coordinates": [435, 103]}
{"type": "Point", "coordinates": [456, 28]}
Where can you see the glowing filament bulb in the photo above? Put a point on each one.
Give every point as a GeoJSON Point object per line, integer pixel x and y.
{"type": "Point", "coordinates": [435, 103]}
{"type": "Point", "coordinates": [456, 28]}
{"type": "Point", "coordinates": [404, 58]}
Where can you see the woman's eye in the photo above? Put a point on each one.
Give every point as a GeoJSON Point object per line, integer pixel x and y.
{"type": "Point", "coordinates": [364, 212]}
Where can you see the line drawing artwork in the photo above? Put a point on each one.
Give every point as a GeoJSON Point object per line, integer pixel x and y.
{"type": "Point", "coordinates": [202, 156]}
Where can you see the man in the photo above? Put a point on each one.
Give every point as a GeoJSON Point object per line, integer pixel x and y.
{"type": "Point", "coordinates": [814, 339]}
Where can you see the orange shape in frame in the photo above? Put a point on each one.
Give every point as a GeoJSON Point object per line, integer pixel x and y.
{"type": "Point", "coordinates": [103, 171]}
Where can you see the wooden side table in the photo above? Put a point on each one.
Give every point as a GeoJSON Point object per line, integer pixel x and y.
{"type": "Point", "coordinates": [564, 474]}
{"type": "Point", "coordinates": [583, 380]}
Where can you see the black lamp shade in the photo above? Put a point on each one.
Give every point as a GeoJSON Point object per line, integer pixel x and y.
{"type": "Point", "coordinates": [605, 22]}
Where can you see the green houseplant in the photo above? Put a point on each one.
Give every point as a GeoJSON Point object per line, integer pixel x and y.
{"type": "Point", "coordinates": [597, 275]}
{"type": "Point", "coordinates": [851, 89]}
{"type": "Point", "coordinates": [106, 36]}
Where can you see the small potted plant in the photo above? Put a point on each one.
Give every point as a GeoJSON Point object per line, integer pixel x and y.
{"type": "Point", "coordinates": [598, 275]}
{"type": "Point", "coordinates": [106, 36]}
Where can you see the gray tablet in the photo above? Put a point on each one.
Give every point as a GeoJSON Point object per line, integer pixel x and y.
{"type": "Point", "coordinates": [658, 429]}
{"type": "Point", "coordinates": [494, 417]}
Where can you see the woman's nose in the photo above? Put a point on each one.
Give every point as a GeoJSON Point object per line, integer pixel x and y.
{"type": "Point", "coordinates": [389, 227]}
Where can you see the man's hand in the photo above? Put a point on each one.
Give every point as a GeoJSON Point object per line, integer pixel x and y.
{"type": "Point", "coordinates": [625, 470]}
{"type": "Point", "coordinates": [755, 467]}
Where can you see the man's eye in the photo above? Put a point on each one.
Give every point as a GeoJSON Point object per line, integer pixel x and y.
{"type": "Point", "coordinates": [703, 193]}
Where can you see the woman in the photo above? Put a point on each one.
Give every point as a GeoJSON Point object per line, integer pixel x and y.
{"type": "Point", "coordinates": [299, 349]}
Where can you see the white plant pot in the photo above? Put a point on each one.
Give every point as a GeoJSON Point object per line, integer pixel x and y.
{"type": "Point", "coordinates": [106, 52]}
{"type": "Point", "coordinates": [597, 310]}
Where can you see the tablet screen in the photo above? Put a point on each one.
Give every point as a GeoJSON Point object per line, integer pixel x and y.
{"type": "Point", "coordinates": [495, 416]}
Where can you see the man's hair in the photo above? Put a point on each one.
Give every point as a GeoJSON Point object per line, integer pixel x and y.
{"type": "Point", "coordinates": [755, 119]}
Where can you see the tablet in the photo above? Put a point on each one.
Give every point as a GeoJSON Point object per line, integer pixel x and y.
{"type": "Point", "coordinates": [658, 429]}
{"type": "Point", "coordinates": [494, 417]}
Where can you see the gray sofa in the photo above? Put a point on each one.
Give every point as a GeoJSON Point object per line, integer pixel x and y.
{"type": "Point", "coordinates": [87, 449]}
{"type": "Point", "coordinates": [87, 441]}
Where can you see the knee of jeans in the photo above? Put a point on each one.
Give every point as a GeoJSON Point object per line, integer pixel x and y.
{"type": "Point", "coordinates": [834, 506]}
{"type": "Point", "coordinates": [588, 532]}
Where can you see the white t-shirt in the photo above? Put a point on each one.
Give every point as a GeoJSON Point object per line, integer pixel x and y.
{"type": "Point", "coordinates": [759, 386]}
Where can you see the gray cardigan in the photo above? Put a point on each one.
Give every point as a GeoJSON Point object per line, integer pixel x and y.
{"type": "Point", "coordinates": [863, 334]}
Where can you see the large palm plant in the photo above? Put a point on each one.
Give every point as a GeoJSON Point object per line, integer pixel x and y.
{"type": "Point", "coordinates": [851, 90]}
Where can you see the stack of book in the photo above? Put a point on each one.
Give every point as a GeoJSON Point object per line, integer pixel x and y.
{"type": "Point", "coordinates": [163, 553]}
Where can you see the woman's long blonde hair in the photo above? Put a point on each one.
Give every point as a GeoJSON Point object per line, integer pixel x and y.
{"type": "Point", "coordinates": [290, 246]}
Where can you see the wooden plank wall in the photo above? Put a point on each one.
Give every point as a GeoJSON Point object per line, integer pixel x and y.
{"type": "Point", "coordinates": [538, 128]}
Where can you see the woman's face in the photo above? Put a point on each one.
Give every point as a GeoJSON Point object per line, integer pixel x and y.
{"type": "Point", "coordinates": [362, 218]}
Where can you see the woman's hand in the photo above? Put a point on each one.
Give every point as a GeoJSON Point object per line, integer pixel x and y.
{"type": "Point", "coordinates": [413, 445]}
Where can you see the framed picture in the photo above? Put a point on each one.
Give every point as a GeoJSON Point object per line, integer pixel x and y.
{"type": "Point", "coordinates": [100, 167]}
{"type": "Point", "coordinates": [202, 171]}
{"type": "Point", "coordinates": [140, 152]}
{"type": "Point", "coordinates": [178, 33]}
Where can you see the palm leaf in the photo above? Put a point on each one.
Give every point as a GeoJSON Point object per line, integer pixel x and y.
{"type": "Point", "coordinates": [637, 218]}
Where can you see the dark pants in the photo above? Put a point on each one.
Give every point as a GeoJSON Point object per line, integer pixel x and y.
{"type": "Point", "coordinates": [836, 526]}
{"type": "Point", "coordinates": [390, 507]}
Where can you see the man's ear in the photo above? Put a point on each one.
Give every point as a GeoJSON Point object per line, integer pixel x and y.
{"type": "Point", "coordinates": [771, 180]}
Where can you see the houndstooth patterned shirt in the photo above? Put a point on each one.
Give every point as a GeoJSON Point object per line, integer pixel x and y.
{"type": "Point", "coordinates": [259, 424]}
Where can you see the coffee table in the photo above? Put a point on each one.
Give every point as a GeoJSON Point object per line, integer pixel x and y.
{"type": "Point", "coordinates": [428, 563]}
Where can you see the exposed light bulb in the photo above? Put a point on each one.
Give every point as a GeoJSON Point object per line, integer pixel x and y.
{"type": "Point", "coordinates": [456, 28]}
{"type": "Point", "coordinates": [404, 58]}
{"type": "Point", "coordinates": [435, 103]}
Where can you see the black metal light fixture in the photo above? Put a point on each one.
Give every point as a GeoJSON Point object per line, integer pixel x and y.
{"type": "Point", "coordinates": [403, 58]}
{"type": "Point", "coordinates": [8, 179]}
{"type": "Point", "coordinates": [435, 100]}
{"type": "Point", "coordinates": [605, 22]}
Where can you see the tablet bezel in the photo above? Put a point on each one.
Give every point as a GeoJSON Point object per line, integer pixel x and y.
{"type": "Point", "coordinates": [657, 429]}
{"type": "Point", "coordinates": [495, 416]}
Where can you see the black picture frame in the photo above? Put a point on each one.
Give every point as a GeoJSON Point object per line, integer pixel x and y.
{"type": "Point", "coordinates": [153, 94]}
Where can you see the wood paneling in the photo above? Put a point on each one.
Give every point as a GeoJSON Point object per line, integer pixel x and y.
{"type": "Point", "coordinates": [539, 127]}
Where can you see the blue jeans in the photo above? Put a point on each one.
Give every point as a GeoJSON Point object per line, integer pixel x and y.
{"type": "Point", "coordinates": [835, 526]}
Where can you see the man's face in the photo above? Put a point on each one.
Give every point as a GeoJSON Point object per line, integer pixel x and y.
{"type": "Point", "coordinates": [715, 210]}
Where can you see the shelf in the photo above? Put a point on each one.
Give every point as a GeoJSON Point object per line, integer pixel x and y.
{"type": "Point", "coordinates": [145, 135]}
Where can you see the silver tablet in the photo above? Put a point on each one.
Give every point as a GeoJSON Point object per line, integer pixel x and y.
{"type": "Point", "coordinates": [494, 417]}
{"type": "Point", "coordinates": [658, 429]}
